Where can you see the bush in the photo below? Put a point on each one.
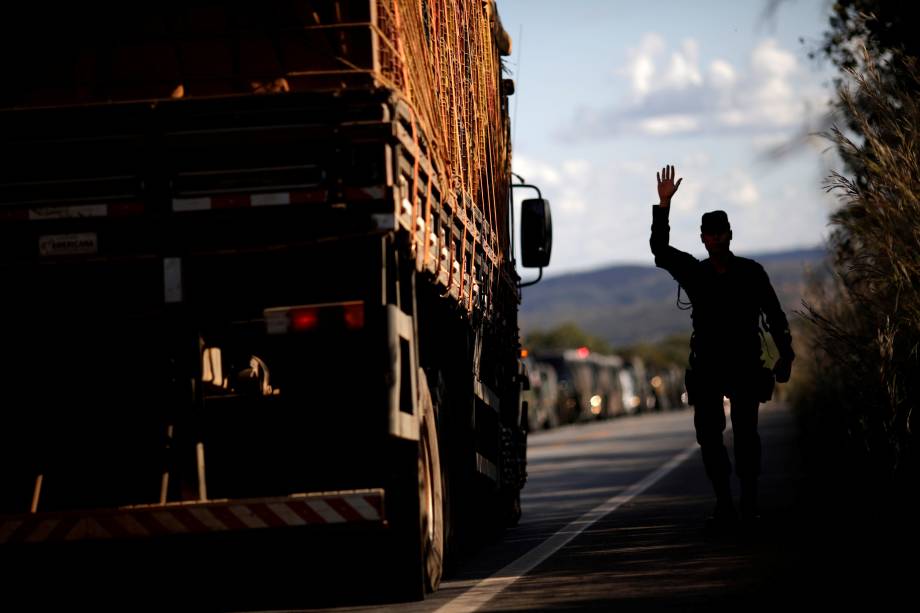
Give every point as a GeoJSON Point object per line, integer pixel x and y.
{"type": "Point", "coordinates": [864, 367]}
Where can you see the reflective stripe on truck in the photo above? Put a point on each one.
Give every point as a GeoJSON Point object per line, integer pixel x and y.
{"type": "Point", "coordinates": [352, 506]}
{"type": "Point", "coordinates": [185, 205]}
{"type": "Point", "coordinates": [75, 211]}
{"type": "Point", "coordinates": [237, 201]}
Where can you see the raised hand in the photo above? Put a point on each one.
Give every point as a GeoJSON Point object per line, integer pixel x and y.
{"type": "Point", "coordinates": [666, 185]}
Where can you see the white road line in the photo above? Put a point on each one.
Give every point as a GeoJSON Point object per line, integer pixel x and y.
{"type": "Point", "coordinates": [487, 589]}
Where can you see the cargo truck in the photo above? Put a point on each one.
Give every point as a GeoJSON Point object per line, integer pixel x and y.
{"type": "Point", "coordinates": [258, 274]}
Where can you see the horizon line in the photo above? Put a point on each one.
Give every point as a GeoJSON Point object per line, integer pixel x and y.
{"type": "Point", "coordinates": [548, 274]}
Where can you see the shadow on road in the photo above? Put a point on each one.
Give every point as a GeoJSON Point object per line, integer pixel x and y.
{"type": "Point", "coordinates": [223, 575]}
{"type": "Point", "coordinates": [814, 545]}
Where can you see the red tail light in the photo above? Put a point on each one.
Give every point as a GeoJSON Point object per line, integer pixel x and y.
{"type": "Point", "coordinates": [304, 318]}
{"type": "Point", "coordinates": [353, 314]}
{"type": "Point", "coordinates": [341, 315]}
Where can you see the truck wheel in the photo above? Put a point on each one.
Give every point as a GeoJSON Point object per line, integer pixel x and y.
{"type": "Point", "coordinates": [431, 492]}
{"type": "Point", "coordinates": [512, 510]}
{"type": "Point", "coordinates": [417, 512]}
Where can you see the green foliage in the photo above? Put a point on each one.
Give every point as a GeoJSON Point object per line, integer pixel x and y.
{"type": "Point", "coordinates": [671, 351]}
{"type": "Point", "coordinates": [565, 336]}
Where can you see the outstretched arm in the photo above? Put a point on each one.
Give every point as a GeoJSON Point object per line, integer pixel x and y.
{"type": "Point", "coordinates": [676, 262]}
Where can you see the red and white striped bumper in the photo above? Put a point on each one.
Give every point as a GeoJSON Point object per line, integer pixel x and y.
{"type": "Point", "coordinates": [353, 506]}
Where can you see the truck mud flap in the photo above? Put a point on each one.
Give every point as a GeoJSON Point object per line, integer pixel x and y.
{"type": "Point", "coordinates": [363, 506]}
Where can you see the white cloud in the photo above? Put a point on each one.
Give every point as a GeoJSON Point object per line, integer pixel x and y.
{"type": "Point", "coordinates": [746, 194]}
{"type": "Point", "coordinates": [771, 98]}
{"type": "Point", "coordinates": [540, 172]}
{"type": "Point", "coordinates": [722, 75]}
{"type": "Point", "coordinates": [566, 181]}
{"type": "Point", "coordinates": [767, 58]}
{"type": "Point", "coordinates": [733, 190]}
{"type": "Point", "coordinates": [536, 172]}
{"type": "Point", "coordinates": [669, 124]}
{"type": "Point", "coordinates": [602, 209]}
{"type": "Point", "coordinates": [576, 168]}
{"type": "Point", "coordinates": [640, 64]}
{"type": "Point", "coordinates": [683, 71]}
{"type": "Point", "coordinates": [687, 200]}
{"type": "Point", "coordinates": [699, 159]}
{"type": "Point", "coordinates": [634, 168]}
{"type": "Point", "coordinates": [571, 203]}
{"type": "Point", "coordinates": [732, 118]}
{"type": "Point", "coordinates": [766, 95]}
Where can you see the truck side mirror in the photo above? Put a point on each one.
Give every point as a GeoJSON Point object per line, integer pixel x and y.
{"type": "Point", "coordinates": [536, 233]}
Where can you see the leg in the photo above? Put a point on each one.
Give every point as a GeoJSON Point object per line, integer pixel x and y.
{"type": "Point", "coordinates": [747, 450]}
{"type": "Point", "coordinates": [709, 421]}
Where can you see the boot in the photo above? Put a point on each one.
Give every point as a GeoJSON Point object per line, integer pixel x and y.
{"type": "Point", "coordinates": [723, 518]}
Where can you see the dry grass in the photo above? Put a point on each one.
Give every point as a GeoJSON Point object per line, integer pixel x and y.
{"type": "Point", "coordinates": [863, 378]}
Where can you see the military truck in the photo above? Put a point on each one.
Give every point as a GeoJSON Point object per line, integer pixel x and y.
{"type": "Point", "coordinates": [575, 375]}
{"type": "Point", "coordinates": [259, 275]}
{"type": "Point", "coordinates": [541, 396]}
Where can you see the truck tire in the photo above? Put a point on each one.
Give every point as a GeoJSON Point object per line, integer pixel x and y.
{"type": "Point", "coordinates": [451, 549]}
{"type": "Point", "coordinates": [431, 490]}
{"type": "Point", "coordinates": [418, 512]}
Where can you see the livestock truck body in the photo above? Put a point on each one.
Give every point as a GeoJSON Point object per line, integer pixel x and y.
{"type": "Point", "coordinates": [273, 300]}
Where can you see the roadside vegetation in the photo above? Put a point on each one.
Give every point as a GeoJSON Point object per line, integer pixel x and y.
{"type": "Point", "coordinates": [671, 351]}
{"type": "Point", "coordinates": [565, 336]}
{"type": "Point", "coordinates": [858, 382]}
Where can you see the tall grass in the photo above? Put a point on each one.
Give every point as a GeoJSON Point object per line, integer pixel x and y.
{"type": "Point", "coordinates": [862, 382]}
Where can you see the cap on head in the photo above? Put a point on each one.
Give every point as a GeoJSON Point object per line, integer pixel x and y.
{"type": "Point", "coordinates": [715, 222]}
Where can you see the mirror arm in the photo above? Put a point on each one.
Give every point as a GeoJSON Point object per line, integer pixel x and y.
{"type": "Point", "coordinates": [534, 282]}
{"type": "Point", "coordinates": [522, 184]}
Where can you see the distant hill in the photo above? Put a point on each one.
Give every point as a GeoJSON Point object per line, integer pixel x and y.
{"type": "Point", "coordinates": [629, 304]}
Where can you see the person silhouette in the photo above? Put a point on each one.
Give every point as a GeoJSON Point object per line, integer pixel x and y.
{"type": "Point", "coordinates": [731, 297]}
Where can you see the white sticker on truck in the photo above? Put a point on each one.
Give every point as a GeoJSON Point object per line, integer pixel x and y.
{"type": "Point", "coordinates": [86, 243]}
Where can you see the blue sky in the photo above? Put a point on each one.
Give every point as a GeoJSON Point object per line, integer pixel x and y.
{"type": "Point", "coordinates": [610, 91]}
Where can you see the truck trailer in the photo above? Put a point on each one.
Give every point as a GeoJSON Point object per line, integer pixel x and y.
{"type": "Point", "coordinates": [258, 274]}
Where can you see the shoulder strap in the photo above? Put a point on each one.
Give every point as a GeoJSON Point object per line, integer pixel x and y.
{"type": "Point", "coordinates": [764, 327]}
{"type": "Point", "coordinates": [681, 304]}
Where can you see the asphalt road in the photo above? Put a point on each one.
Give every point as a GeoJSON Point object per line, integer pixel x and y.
{"type": "Point", "coordinates": [626, 502]}
{"type": "Point", "coordinates": [613, 520]}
